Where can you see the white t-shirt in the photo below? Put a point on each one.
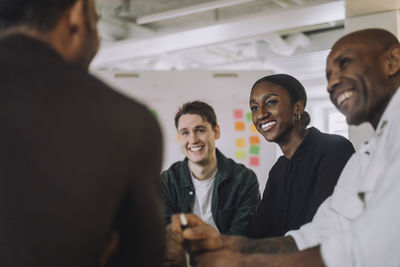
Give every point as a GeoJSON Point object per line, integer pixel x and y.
{"type": "Point", "coordinates": [203, 197]}
{"type": "Point", "coordinates": [359, 224]}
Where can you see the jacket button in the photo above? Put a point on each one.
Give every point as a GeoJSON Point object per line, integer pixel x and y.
{"type": "Point", "coordinates": [191, 193]}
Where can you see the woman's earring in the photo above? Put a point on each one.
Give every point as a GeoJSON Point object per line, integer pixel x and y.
{"type": "Point", "coordinates": [299, 117]}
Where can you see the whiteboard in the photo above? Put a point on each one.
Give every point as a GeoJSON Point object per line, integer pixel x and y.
{"type": "Point", "coordinates": [227, 92]}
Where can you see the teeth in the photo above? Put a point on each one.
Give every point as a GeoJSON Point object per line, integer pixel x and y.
{"type": "Point", "coordinates": [194, 149]}
{"type": "Point", "coordinates": [343, 97]}
{"type": "Point", "coordinates": [267, 125]}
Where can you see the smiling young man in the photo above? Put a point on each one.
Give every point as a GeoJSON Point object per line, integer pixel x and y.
{"type": "Point", "coordinates": [221, 192]}
{"type": "Point", "coordinates": [358, 225]}
{"type": "Point", "coordinates": [79, 180]}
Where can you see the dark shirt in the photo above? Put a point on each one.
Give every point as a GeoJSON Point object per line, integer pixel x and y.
{"type": "Point", "coordinates": [74, 163]}
{"type": "Point", "coordinates": [297, 186]}
{"type": "Point", "coordinates": [234, 198]}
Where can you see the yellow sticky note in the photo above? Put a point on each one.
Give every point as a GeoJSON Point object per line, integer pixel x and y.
{"type": "Point", "coordinates": [253, 128]}
{"type": "Point", "coordinates": [240, 142]}
{"type": "Point", "coordinates": [240, 154]}
{"type": "Point", "coordinates": [240, 126]}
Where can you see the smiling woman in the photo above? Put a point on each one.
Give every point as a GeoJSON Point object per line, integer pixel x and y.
{"type": "Point", "coordinates": [312, 161]}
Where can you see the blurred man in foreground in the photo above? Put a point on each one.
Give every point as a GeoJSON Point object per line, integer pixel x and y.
{"type": "Point", "coordinates": [79, 163]}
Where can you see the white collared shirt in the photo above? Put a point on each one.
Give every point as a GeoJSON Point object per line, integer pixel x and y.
{"type": "Point", "coordinates": [359, 225]}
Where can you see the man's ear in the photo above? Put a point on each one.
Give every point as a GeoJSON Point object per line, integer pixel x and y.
{"type": "Point", "coordinates": [75, 17]}
{"type": "Point", "coordinates": [217, 131]}
{"type": "Point", "coordinates": [393, 60]}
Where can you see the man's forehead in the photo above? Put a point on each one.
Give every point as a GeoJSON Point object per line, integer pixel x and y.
{"type": "Point", "coordinates": [360, 42]}
{"type": "Point", "coordinates": [335, 51]}
{"type": "Point", "coordinates": [348, 48]}
{"type": "Point", "coordinates": [193, 126]}
{"type": "Point", "coordinates": [187, 121]}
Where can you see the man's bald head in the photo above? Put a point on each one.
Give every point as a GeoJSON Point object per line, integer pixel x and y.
{"type": "Point", "coordinates": [363, 73]}
{"type": "Point", "coordinates": [378, 38]}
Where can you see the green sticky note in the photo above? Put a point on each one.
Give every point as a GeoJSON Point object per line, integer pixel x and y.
{"type": "Point", "coordinates": [254, 150]}
{"type": "Point", "coordinates": [154, 113]}
{"type": "Point", "coordinates": [248, 117]}
{"type": "Point", "coordinates": [240, 154]}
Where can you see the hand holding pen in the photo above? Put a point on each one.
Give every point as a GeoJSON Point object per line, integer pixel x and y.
{"type": "Point", "coordinates": [186, 243]}
{"type": "Point", "coordinates": [189, 230]}
{"type": "Point", "coordinates": [202, 236]}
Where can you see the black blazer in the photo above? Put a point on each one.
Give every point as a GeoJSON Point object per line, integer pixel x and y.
{"type": "Point", "coordinates": [76, 159]}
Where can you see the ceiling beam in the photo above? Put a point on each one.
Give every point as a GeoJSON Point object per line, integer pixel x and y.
{"type": "Point", "coordinates": [244, 28]}
{"type": "Point", "coordinates": [188, 10]}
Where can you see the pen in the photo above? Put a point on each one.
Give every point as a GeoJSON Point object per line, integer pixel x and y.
{"type": "Point", "coordinates": [186, 244]}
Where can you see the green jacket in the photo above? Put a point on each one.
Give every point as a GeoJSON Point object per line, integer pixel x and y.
{"type": "Point", "coordinates": [235, 195]}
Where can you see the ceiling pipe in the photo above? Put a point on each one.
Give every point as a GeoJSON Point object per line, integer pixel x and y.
{"type": "Point", "coordinates": [188, 10]}
{"type": "Point", "coordinates": [286, 47]}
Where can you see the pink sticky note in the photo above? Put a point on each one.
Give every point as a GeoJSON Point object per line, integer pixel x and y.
{"type": "Point", "coordinates": [238, 114]}
{"type": "Point", "coordinates": [254, 161]}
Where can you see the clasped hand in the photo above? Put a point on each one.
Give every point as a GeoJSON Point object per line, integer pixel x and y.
{"type": "Point", "coordinates": [202, 237]}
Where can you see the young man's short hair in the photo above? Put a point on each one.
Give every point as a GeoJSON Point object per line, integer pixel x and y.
{"type": "Point", "coordinates": [199, 108]}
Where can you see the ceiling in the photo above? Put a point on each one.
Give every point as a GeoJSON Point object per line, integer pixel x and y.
{"type": "Point", "coordinates": [292, 36]}
{"type": "Point", "coordinates": [363, 7]}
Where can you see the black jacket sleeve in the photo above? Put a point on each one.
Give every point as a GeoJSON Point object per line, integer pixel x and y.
{"type": "Point", "coordinates": [249, 197]}
{"type": "Point", "coordinates": [168, 199]}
